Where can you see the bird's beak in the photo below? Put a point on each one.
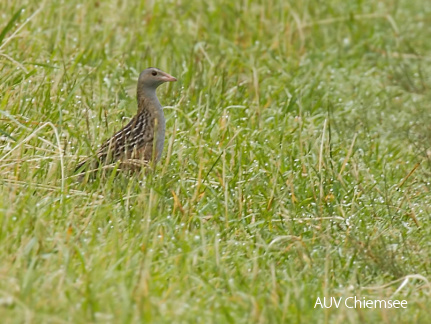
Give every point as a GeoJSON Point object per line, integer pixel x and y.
{"type": "Point", "coordinates": [168, 78]}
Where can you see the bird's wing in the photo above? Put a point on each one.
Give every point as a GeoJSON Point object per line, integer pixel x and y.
{"type": "Point", "coordinates": [138, 133]}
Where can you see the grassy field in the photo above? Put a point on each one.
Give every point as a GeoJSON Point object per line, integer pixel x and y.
{"type": "Point", "coordinates": [297, 162]}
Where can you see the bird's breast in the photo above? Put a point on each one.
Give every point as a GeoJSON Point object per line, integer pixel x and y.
{"type": "Point", "coordinates": [160, 128]}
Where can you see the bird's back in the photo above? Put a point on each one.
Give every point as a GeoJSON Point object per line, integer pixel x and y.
{"type": "Point", "coordinates": [133, 141]}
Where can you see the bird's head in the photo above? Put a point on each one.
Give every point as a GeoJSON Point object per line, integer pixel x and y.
{"type": "Point", "coordinates": [153, 77]}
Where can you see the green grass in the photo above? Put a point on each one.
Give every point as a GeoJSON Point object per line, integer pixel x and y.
{"type": "Point", "coordinates": [297, 162]}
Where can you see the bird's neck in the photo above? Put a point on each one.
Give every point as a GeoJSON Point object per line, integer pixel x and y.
{"type": "Point", "coordinates": [148, 101]}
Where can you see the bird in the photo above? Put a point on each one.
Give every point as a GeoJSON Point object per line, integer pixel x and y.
{"type": "Point", "coordinates": [140, 142]}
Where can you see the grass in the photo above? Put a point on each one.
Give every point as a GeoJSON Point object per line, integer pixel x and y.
{"type": "Point", "coordinates": [297, 162]}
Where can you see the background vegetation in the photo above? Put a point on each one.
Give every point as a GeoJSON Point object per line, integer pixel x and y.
{"type": "Point", "coordinates": [297, 163]}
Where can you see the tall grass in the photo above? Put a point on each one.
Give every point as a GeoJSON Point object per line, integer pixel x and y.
{"type": "Point", "coordinates": [297, 161]}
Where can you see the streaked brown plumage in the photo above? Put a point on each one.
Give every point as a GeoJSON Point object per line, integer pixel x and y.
{"type": "Point", "coordinates": [140, 142]}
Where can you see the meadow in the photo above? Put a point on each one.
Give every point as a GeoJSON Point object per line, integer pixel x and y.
{"type": "Point", "coordinates": [297, 161]}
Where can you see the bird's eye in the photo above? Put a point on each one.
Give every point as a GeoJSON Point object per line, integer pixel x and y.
{"type": "Point", "coordinates": [154, 73]}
